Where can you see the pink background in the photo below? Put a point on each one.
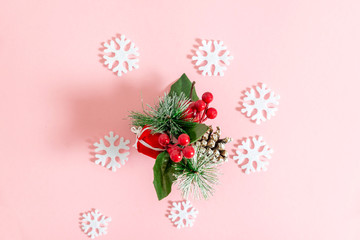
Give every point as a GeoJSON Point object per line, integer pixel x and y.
{"type": "Point", "coordinates": [57, 98]}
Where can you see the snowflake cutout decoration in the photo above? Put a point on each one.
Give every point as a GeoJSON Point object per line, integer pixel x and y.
{"type": "Point", "coordinates": [212, 58]}
{"type": "Point", "coordinates": [253, 155]}
{"type": "Point", "coordinates": [123, 56]}
{"type": "Point", "coordinates": [94, 224]}
{"type": "Point", "coordinates": [183, 214]}
{"type": "Point", "coordinates": [112, 152]}
{"type": "Point", "coordinates": [264, 104]}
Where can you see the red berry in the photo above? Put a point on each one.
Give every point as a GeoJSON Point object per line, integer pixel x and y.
{"type": "Point", "coordinates": [164, 140]}
{"type": "Point", "coordinates": [191, 106]}
{"type": "Point", "coordinates": [200, 105]}
{"type": "Point", "coordinates": [207, 97]}
{"type": "Point", "coordinates": [196, 118]}
{"type": "Point", "coordinates": [211, 113]}
{"type": "Point", "coordinates": [176, 155]}
{"type": "Point", "coordinates": [171, 148]}
{"type": "Point", "coordinates": [184, 139]}
{"type": "Point", "coordinates": [188, 152]}
{"type": "Point", "coordinates": [190, 112]}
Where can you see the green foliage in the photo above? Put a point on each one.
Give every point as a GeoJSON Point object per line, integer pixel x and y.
{"type": "Point", "coordinates": [163, 175]}
{"type": "Point", "coordinates": [183, 85]}
{"type": "Point", "coordinates": [197, 176]}
{"type": "Point", "coordinates": [196, 132]}
{"type": "Point", "coordinates": [166, 116]}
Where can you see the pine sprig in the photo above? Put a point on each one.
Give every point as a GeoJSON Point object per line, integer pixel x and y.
{"type": "Point", "coordinates": [198, 176]}
{"type": "Point", "coordinates": [166, 116]}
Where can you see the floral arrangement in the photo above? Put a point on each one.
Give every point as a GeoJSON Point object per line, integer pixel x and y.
{"type": "Point", "coordinates": [187, 151]}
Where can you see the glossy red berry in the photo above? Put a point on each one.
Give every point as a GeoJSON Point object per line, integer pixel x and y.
{"type": "Point", "coordinates": [188, 152]}
{"type": "Point", "coordinates": [176, 155]}
{"type": "Point", "coordinates": [191, 105]}
{"type": "Point", "coordinates": [200, 105]}
{"type": "Point", "coordinates": [190, 112]}
{"type": "Point", "coordinates": [196, 118]}
{"type": "Point", "coordinates": [211, 113]}
{"type": "Point", "coordinates": [184, 139]}
{"type": "Point", "coordinates": [207, 97]}
{"type": "Point", "coordinates": [171, 148]}
{"type": "Point", "coordinates": [164, 140]}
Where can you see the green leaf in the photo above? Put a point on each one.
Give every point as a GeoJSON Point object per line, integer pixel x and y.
{"type": "Point", "coordinates": [184, 85]}
{"type": "Point", "coordinates": [196, 132]}
{"type": "Point", "coordinates": [185, 124]}
{"type": "Point", "coordinates": [163, 175]}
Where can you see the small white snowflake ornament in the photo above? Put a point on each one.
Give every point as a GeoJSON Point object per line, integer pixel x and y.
{"type": "Point", "coordinates": [112, 152]}
{"type": "Point", "coordinates": [124, 56]}
{"type": "Point", "coordinates": [94, 224]}
{"type": "Point", "coordinates": [255, 155]}
{"type": "Point", "coordinates": [183, 214]}
{"type": "Point", "coordinates": [212, 58]}
{"type": "Point", "coordinates": [260, 107]}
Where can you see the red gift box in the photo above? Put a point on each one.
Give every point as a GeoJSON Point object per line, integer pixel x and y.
{"type": "Point", "coordinates": [147, 143]}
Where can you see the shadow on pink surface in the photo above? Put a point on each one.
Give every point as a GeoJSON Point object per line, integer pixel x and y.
{"type": "Point", "coordinates": [168, 211]}
{"type": "Point", "coordinates": [92, 112]}
{"type": "Point", "coordinates": [195, 47]}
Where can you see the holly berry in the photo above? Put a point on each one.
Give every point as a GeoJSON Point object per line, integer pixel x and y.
{"type": "Point", "coordinates": [200, 105]}
{"type": "Point", "coordinates": [197, 118]}
{"type": "Point", "coordinates": [211, 113]}
{"type": "Point", "coordinates": [164, 140]}
{"type": "Point", "coordinates": [184, 139]}
{"type": "Point", "coordinates": [191, 105]}
{"type": "Point", "coordinates": [190, 111]}
{"type": "Point", "coordinates": [207, 97]}
{"type": "Point", "coordinates": [176, 155]}
{"type": "Point", "coordinates": [171, 148]}
{"type": "Point", "coordinates": [188, 152]}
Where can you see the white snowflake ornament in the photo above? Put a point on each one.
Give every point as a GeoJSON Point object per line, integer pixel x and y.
{"type": "Point", "coordinates": [262, 107]}
{"type": "Point", "coordinates": [94, 224]}
{"type": "Point", "coordinates": [112, 152]}
{"type": "Point", "coordinates": [258, 154]}
{"type": "Point", "coordinates": [124, 55]}
{"type": "Point", "coordinates": [183, 214]}
{"type": "Point", "coordinates": [212, 58]}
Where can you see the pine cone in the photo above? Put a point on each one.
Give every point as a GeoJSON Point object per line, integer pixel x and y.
{"type": "Point", "coordinates": [214, 145]}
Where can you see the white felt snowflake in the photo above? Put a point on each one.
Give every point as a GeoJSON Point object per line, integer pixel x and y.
{"type": "Point", "coordinates": [112, 151]}
{"type": "Point", "coordinates": [125, 55]}
{"type": "Point", "coordinates": [255, 155]}
{"type": "Point", "coordinates": [264, 104]}
{"type": "Point", "coordinates": [212, 58]}
{"type": "Point", "coordinates": [183, 214]}
{"type": "Point", "coordinates": [94, 223]}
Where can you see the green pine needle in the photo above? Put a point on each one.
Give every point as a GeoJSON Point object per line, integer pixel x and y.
{"type": "Point", "coordinates": [198, 176]}
{"type": "Point", "coordinates": [166, 116]}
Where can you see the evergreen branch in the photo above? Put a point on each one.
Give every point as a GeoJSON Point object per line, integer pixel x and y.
{"type": "Point", "coordinates": [166, 116]}
{"type": "Point", "coordinates": [198, 176]}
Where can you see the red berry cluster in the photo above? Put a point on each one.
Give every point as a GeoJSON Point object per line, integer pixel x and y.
{"type": "Point", "coordinates": [199, 111]}
{"type": "Point", "coordinates": [177, 152]}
